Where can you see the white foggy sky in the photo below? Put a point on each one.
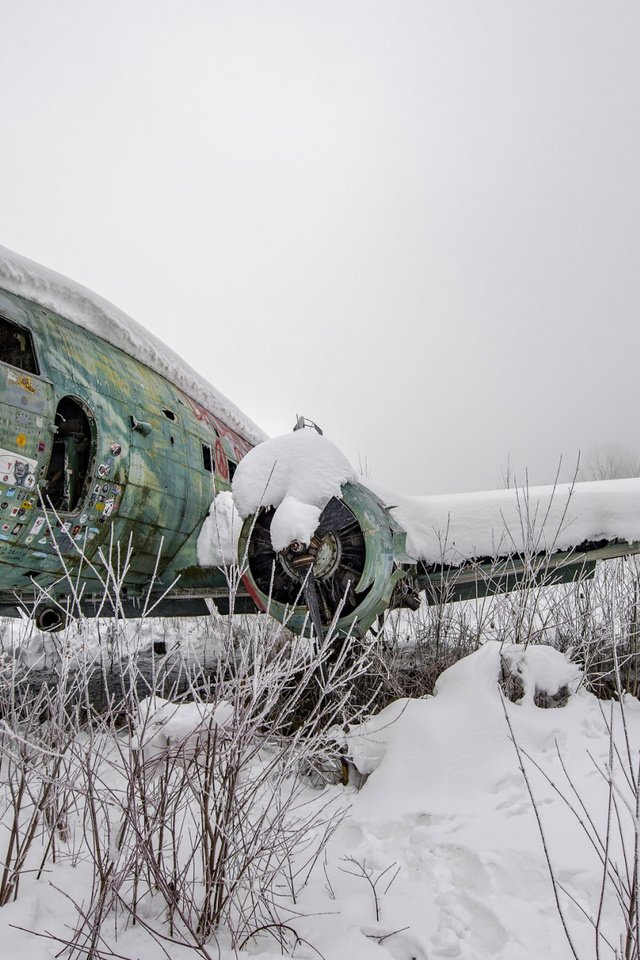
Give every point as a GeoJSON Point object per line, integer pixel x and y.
{"type": "Point", "coordinates": [417, 223]}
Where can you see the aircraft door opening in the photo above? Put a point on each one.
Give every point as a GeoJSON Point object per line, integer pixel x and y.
{"type": "Point", "coordinates": [67, 479]}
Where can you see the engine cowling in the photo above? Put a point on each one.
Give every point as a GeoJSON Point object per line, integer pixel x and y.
{"type": "Point", "coordinates": [357, 555]}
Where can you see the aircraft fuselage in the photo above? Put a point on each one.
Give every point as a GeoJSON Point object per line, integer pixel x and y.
{"type": "Point", "coordinates": [98, 451]}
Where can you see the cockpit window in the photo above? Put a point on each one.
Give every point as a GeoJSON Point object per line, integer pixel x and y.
{"type": "Point", "coordinates": [16, 347]}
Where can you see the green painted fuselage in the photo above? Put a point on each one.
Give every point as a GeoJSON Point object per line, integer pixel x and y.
{"type": "Point", "coordinates": [138, 469]}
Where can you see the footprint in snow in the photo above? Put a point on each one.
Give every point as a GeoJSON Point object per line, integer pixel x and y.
{"type": "Point", "coordinates": [512, 795]}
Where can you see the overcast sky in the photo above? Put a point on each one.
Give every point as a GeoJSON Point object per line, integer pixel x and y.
{"type": "Point", "coordinates": [417, 223]}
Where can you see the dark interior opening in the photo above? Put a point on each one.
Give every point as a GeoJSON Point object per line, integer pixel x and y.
{"type": "Point", "coordinates": [207, 457]}
{"type": "Point", "coordinates": [16, 347]}
{"type": "Point", "coordinates": [67, 476]}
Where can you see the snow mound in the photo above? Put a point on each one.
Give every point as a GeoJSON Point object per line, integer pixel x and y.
{"type": "Point", "coordinates": [218, 539]}
{"type": "Point", "coordinates": [447, 814]}
{"type": "Point", "coordinates": [51, 290]}
{"type": "Point", "coordinates": [298, 473]}
{"type": "Point", "coordinates": [179, 730]}
{"type": "Point", "coordinates": [542, 673]}
{"type": "Point", "coordinates": [468, 692]}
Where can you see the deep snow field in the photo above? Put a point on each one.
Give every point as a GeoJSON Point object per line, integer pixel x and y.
{"type": "Point", "coordinates": [438, 852]}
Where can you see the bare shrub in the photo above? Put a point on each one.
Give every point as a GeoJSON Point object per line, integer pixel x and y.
{"type": "Point", "coordinates": [614, 838]}
{"type": "Point", "coordinates": [184, 788]}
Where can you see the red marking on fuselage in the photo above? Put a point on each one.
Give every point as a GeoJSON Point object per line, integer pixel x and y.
{"type": "Point", "coordinates": [253, 593]}
{"type": "Point", "coordinates": [240, 445]}
{"type": "Point", "coordinates": [222, 464]}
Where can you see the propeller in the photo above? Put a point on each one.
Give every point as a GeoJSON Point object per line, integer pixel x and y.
{"type": "Point", "coordinates": [326, 571]}
{"type": "Point", "coordinates": [311, 599]}
{"type": "Point", "coordinates": [344, 577]}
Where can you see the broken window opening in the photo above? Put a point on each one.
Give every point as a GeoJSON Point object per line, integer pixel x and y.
{"type": "Point", "coordinates": [16, 347]}
{"type": "Point", "coordinates": [207, 458]}
{"type": "Point", "coordinates": [67, 479]}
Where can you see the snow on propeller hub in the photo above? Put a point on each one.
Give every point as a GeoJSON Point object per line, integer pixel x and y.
{"type": "Point", "coordinates": [348, 570]}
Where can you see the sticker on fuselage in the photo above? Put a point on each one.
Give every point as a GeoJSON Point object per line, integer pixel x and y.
{"type": "Point", "coordinates": [16, 469]}
{"type": "Point", "coordinates": [22, 380]}
{"type": "Point", "coordinates": [37, 527]}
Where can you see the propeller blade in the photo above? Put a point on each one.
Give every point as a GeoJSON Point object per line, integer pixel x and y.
{"type": "Point", "coordinates": [313, 604]}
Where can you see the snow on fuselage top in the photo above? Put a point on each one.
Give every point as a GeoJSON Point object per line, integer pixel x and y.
{"type": "Point", "coordinates": [51, 290]}
{"type": "Point", "coordinates": [297, 473]}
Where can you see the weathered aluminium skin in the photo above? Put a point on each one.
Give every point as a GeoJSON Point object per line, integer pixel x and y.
{"type": "Point", "coordinates": [153, 460]}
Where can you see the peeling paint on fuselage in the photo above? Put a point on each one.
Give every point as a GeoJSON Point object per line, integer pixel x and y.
{"type": "Point", "coordinates": [148, 485]}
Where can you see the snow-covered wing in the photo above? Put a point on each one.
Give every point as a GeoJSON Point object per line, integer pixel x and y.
{"type": "Point", "coordinates": [298, 473]}
{"type": "Point", "coordinates": [497, 523]}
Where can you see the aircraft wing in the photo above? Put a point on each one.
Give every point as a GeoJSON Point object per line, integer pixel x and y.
{"type": "Point", "coordinates": [474, 544]}
{"type": "Point", "coordinates": [373, 550]}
